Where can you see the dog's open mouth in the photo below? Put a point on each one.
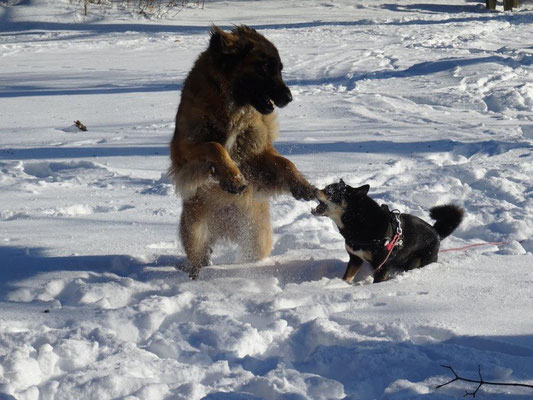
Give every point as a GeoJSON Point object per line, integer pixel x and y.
{"type": "Point", "coordinates": [320, 210]}
{"type": "Point", "coordinates": [269, 105]}
{"type": "Point", "coordinates": [264, 105]}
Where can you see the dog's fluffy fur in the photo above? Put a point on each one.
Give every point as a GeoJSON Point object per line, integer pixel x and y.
{"type": "Point", "coordinates": [224, 164]}
{"type": "Point", "coordinates": [366, 228]}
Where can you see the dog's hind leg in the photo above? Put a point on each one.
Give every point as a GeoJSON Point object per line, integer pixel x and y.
{"type": "Point", "coordinates": [194, 234]}
{"type": "Point", "coordinates": [261, 232]}
{"type": "Point", "coordinates": [255, 234]}
{"type": "Point", "coordinates": [382, 274]}
{"type": "Point", "coordinates": [429, 255]}
{"type": "Point", "coordinates": [354, 265]}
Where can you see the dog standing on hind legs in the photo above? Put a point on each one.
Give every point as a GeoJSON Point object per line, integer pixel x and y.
{"type": "Point", "coordinates": [223, 162]}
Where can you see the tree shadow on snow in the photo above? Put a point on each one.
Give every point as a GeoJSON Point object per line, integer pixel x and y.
{"type": "Point", "coordinates": [10, 27]}
{"type": "Point", "coordinates": [488, 147]}
{"type": "Point", "coordinates": [34, 91]}
{"type": "Point", "coordinates": [45, 153]}
{"type": "Point", "coordinates": [435, 8]}
{"type": "Point", "coordinates": [415, 70]}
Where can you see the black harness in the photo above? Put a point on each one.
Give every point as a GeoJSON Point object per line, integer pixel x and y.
{"type": "Point", "coordinates": [394, 228]}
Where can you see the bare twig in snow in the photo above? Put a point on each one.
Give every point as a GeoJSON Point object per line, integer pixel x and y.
{"type": "Point", "coordinates": [479, 381]}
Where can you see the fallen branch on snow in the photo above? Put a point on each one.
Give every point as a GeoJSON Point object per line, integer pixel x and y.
{"type": "Point", "coordinates": [80, 126]}
{"type": "Point", "coordinates": [480, 381]}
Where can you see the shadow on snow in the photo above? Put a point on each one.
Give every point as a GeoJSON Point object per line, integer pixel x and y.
{"type": "Point", "coordinates": [21, 263]}
{"type": "Point", "coordinates": [489, 147]}
{"type": "Point", "coordinates": [483, 15]}
{"type": "Point", "coordinates": [416, 70]}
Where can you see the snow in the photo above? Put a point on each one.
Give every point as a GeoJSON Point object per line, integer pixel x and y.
{"type": "Point", "coordinates": [429, 103]}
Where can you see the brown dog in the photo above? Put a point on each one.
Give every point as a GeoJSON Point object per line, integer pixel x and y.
{"type": "Point", "coordinates": [223, 162]}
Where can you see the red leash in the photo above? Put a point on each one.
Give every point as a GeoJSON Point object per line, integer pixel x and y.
{"type": "Point", "coordinates": [390, 248]}
{"type": "Point", "coordinates": [470, 246]}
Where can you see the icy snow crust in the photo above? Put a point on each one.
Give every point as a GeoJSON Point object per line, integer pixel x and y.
{"type": "Point", "coordinates": [429, 103]}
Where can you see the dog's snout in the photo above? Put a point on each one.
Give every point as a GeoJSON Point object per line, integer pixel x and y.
{"type": "Point", "coordinates": [288, 95]}
{"type": "Point", "coordinates": [284, 96]}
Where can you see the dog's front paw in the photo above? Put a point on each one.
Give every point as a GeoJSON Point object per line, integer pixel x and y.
{"type": "Point", "coordinates": [304, 192]}
{"type": "Point", "coordinates": [235, 185]}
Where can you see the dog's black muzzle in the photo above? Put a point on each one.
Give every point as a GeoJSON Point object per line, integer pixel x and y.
{"type": "Point", "coordinates": [281, 96]}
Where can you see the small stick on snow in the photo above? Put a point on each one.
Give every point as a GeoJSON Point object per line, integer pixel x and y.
{"type": "Point", "coordinates": [80, 126]}
{"type": "Point", "coordinates": [480, 381]}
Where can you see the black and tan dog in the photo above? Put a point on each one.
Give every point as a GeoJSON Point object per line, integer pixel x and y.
{"type": "Point", "coordinates": [388, 240]}
{"type": "Point", "coordinates": [224, 164]}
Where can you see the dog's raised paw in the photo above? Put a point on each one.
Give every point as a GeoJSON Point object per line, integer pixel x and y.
{"type": "Point", "coordinates": [232, 186]}
{"type": "Point", "coordinates": [304, 192]}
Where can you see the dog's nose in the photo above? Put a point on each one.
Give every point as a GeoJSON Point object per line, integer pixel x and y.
{"type": "Point", "coordinates": [284, 97]}
{"type": "Point", "coordinates": [288, 95]}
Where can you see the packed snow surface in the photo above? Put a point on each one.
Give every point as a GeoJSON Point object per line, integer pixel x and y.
{"type": "Point", "coordinates": [428, 102]}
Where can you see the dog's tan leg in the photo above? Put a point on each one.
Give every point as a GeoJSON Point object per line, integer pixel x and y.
{"type": "Point", "coordinates": [248, 224]}
{"type": "Point", "coordinates": [353, 267]}
{"type": "Point", "coordinates": [260, 239]}
{"type": "Point", "coordinates": [194, 234]}
{"type": "Point", "coordinates": [271, 172]}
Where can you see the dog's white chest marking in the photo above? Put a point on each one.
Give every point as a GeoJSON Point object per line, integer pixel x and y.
{"type": "Point", "coordinates": [362, 254]}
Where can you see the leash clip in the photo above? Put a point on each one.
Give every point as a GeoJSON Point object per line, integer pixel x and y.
{"type": "Point", "coordinates": [397, 214]}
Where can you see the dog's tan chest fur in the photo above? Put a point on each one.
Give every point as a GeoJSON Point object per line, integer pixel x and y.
{"type": "Point", "coordinates": [335, 212]}
{"type": "Point", "coordinates": [250, 133]}
{"type": "Point", "coordinates": [241, 120]}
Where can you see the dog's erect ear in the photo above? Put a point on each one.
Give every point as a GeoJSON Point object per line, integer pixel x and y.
{"type": "Point", "coordinates": [223, 42]}
{"type": "Point", "coordinates": [362, 190]}
{"type": "Point", "coordinates": [342, 184]}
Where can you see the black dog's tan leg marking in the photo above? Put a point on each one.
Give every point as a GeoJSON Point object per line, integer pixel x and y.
{"type": "Point", "coordinates": [382, 274]}
{"type": "Point", "coordinates": [353, 267]}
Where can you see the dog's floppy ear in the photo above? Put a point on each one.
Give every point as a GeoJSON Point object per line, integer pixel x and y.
{"type": "Point", "coordinates": [223, 42]}
{"type": "Point", "coordinates": [362, 190]}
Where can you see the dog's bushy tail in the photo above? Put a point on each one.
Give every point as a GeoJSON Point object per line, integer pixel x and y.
{"type": "Point", "coordinates": [448, 218]}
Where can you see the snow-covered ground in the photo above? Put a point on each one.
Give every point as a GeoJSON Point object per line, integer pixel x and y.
{"type": "Point", "coordinates": [428, 102]}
